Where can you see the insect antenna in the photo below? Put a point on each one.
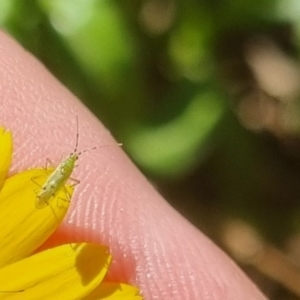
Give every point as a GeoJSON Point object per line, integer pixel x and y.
{"type": "Point", "coordinates": [87, 150]}
{"type": "Point", "coordinates": [94, 148]}
{"type": "Point", "coordinates": [77, 134]}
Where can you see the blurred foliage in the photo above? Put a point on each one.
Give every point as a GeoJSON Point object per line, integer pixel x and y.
{"type": "Point", "coordinates": [203, 94]}
{"type": "Point", "coordinates": [150, 80]}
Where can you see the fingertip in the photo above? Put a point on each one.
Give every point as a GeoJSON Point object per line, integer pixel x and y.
{"type": "Point", "coordinates": [153, 246]}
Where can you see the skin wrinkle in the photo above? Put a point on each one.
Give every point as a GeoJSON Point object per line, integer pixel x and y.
{"type": "Point", "coordinates": [88, 187]}
{"type": "Point", "coordinates": [146, 269]}
{"type": "Point", "coordinates": [183, 266]}
{"type": "Point", "coordinates": [87, 213]}
{"type": "Point", "coordinates": [218, 283]}
{"type": "Point", "coordinates": [165, 257]}
{"type": "Point", "coordinates": [93, 216]}
{"type": "Point", "coordinates": [184, 280]}
{"type": "Point", "coordinates": [110, 209]}
{"type": "Point", "coordinates": [33, 106]}
{"type": "Point", "coordinates": [165, 272]}
{"type": "Point", "coordinates": [123, 240]}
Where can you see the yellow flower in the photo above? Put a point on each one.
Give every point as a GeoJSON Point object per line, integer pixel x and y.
{"type": "Point", "coordinates": [5, 153]}
{"type": "Point", "coordinates": [71, 271]}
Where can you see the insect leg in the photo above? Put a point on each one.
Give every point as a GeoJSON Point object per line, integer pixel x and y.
{"type": "Point", "coordinates": [49, 163]}
{"type": "Point", "coordinates": [68, 196]}
{"type": "Point", "coordinates": [75, 181]}
{"type": "Point", "coordinates": [33, 180]}
{"type": "Point", "coordinates": [54, 213]}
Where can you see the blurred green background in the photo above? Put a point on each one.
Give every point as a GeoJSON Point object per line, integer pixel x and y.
{"type": "Point", "coordinates": [204, 95]}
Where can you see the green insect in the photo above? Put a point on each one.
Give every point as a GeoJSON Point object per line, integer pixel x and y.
{"type": "Point", "coordinates": [58, 178]}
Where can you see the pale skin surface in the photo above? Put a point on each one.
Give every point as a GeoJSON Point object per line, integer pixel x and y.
{"type": "Point", "coordinates": [153, 246]}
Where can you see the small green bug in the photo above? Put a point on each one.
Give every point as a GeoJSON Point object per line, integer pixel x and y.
{"type": "Point", "coordinates": [58, 178]}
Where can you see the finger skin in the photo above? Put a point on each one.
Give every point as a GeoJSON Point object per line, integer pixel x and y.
{"type": "Point", "coordinates": [153, 246]}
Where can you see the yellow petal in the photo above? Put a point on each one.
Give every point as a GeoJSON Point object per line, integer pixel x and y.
{"type": "Point", "coordinates": [114, 291]}
{"type": "Point", "coordinates": [68, 272]}
{"type": "Point", "coordinates": [23, 227]}
{"type": "Point", "coordinates": [5, 153]}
